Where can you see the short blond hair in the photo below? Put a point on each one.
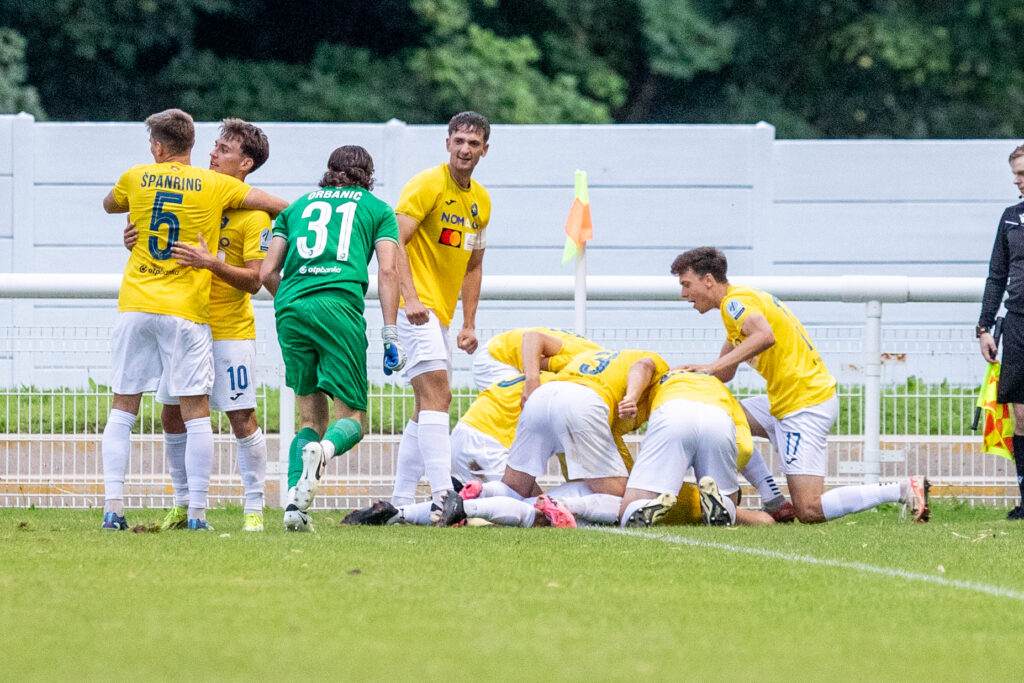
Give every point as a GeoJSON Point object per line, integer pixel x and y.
{"type": "Point", "coordinates": [1017, 153]}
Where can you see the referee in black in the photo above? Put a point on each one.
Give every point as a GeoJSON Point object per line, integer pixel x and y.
{"type": "Point", "coordinates": [1006, 274]}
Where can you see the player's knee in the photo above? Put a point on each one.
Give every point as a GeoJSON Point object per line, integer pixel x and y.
{"type": "Point", "coordinates": [809, 512]}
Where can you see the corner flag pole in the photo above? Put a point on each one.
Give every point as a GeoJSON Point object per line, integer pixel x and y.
{"type": "Point", "coordinates": [578, 230]}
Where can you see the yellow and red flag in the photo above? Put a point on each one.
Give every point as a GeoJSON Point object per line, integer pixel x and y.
{"type": "Point", "coordinates": [997, 436]}
{"type": "Point", "coordinates": [578, 227]}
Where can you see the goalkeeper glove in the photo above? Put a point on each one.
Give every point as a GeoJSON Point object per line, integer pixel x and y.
{"type": "Point", "coordinates": [394, 354]}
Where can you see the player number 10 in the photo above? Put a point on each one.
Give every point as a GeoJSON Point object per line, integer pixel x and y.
{"type": "Point", "coordinates": [239, 377]}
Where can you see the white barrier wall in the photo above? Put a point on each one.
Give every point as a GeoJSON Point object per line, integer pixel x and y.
{"type": "Point", "coordinates": [922, 208]}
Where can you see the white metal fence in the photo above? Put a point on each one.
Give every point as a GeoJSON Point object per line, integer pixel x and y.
{"type": "Point", "coordinates": [900, 412]}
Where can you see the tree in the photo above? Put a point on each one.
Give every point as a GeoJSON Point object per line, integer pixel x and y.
{"type": "Point", "coordinates": [15, 96]}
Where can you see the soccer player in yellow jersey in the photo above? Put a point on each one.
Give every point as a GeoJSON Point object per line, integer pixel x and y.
{"type": "Point", "coordinates": [800, 406]}
{"type": "Point", "coordinates": [240, 150]}
{"type": "Point", "coordinates": [442, 219]}
{"type": "Point", "coordinates": [583, 412]}
{"type": "Point", "coordinates": [501, 357]}
{"type": "Point", "coordinates": [162, 335]}
{"type": "Point", "coordinates": [695, 422]}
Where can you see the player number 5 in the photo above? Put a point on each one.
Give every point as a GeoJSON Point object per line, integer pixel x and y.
{"type": "Point", "coordinates": [163, 217]}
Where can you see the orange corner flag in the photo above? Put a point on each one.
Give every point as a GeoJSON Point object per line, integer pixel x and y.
{"type": "Point", "coordinates": [578, 227]}
{"type": "Point", "coordinates": [997, 437]}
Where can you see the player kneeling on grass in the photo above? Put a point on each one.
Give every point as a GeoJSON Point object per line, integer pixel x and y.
{"type": "Point", "coordinates": [582, 412]}
{"type": "Point", "coordinates": [695, 422]}
{"type": "Point", "coordinates": [800, 406]}
{"type": "Point", "coordinates": [501, 358]}
{"type": "Point", "coordinates": [317, 270]}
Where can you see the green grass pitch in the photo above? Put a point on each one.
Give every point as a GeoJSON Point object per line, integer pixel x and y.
{"type": "Point", "coordinates": [867, 597]}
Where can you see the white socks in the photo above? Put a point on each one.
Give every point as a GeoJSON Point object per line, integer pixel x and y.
{"type": "Point", "coordinates": [198, 463]}
{"type": "Point", "coordinates": [498, 488]}
{"type": "Point", "coordinates": [416, 513]}
{"type": "Point", "coordinates": [501, 510]}
{"type": "Point", "coordinates": [849, 499]}
{"type": "Point", "coordinates": [115, 449]}
{"type": "Point", "coordinates": [174, 454]}
{"type": "Point", "coordinates": [408, 467]}
{"type": "Point", "coordinates": [252, 465]}
{"type": "Point", "coordinates": [597, 508]}
{"type": "Point", "coordinates": [757, 473]}
{"type": "Point", "coordinates": [436, 451]}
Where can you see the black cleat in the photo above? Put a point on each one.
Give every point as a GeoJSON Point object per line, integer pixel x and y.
{"type": "Point", "coordinates": [712, 508]}
{"type": "Point", "coordinates": [653, 511]}
{"type": "Point", "coordinates": [1015, 513]}
{"type": "Point", "coordinates": [377, 514]}
{"type": "Point", "coordinates": [453, 513]}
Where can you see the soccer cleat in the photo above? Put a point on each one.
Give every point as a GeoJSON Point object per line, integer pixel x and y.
{"type": "Point", "coordinates": [712, 508]}
{"type": "Point", "coordinates": [471, 489]}
{"type": "Point", "coordinates": [297, 520]}
{"type": "Point", "coordinates": [453, 513]}
{"type": "Point", "coordinates": [556, 513]}
{"type": "Point", "coordinates": [1016, 513]}
{"type": "Point", "coordinates": [649, 514]}
{"type": "Point", "coordinates": [199, 525]}
{"type": "Point", "coordinates": [914, 496]}
{"type": "Point", "coordinates": [378, 514]}
{"type": "Point", "coordinates": [114, 522]}
{"type": "Point", "coordinates": [313, 464]}
{"type": "Point", "coordinates": [176, 518]}
{"type": "Point", "coordinates": [253, 521]}
{"type": "Point", "coordinates": [784, 514]}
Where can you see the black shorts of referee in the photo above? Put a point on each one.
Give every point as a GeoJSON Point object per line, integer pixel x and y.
{"type": "Point", "coordinates": [1011, 374]}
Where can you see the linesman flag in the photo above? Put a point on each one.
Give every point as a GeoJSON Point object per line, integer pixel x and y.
{"type": "Point", "coordinates": [997, 437]}
{"type": "Point", "coordinates": [578, 227]}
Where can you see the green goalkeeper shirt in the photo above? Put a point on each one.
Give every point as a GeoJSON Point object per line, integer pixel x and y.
{"type": "Point", "coordinates": [331, 234]}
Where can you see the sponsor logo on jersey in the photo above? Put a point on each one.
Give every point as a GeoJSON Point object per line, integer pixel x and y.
{"type": "Point", "coordinates": [450, 237]}
{"type": "Point", "coordinates": [265, 237]}
{"type": "Point", "coordinates": [735, 309]}
{"type": "Point", "coordinates": [224, 242]}
{"type": "Point", "coordinates": [452, 218]}
{"type": "Point", "coordinates": [318, 270]}
{"type": "Point", "coordinates": [449, 202]}
{"type": "Point", "coordinates": [473, 210]}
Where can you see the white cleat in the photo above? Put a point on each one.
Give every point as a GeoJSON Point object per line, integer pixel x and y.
{"type": "Point", "coordinates": [313, 465]}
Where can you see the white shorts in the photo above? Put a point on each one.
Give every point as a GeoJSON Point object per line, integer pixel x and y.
{"type": "Point", "coordinates": [476, 455]}
{"type": "Point", "coordinates": [682, 434]}
{"type": "Point", "coordinates": [487, 370]}
{"type": "Point", "coordinates": [148, 349]}
{"type": "Point", "coordinates": [426, 346]}
{"type": "Point", "coordinates": [562, 417]}
{"type": "Point", "coordinates": [234, 385]}
{"type": "Point", "coordinates": [800, 438]}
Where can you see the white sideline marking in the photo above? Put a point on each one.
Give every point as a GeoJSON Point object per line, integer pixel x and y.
{"type": "Point", "coordinates": [997, 591]}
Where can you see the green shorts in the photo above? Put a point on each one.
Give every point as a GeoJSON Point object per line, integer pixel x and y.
{"type": "Point", "coordinates": [323, 344]}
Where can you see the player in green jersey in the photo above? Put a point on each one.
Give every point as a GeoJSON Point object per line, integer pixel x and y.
{"type": "Point", "coordinates": [316, 269]}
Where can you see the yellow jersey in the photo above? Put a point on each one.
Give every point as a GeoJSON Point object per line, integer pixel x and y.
{"type": "Point", "coordinates": [172, 202]}
{"type": "Point", "coordinates": [244, 236]}
{"type": "Point", "coordinates": [796, 375]}
{"type": "Point", "coordinates": [452, 224]}
{"type": "Point", "coordinates": [507, 347]}
{"type": "Point", "coordinates": [495, 411]}
{"type": "Point", "coordinates": [606, 372]}
{"type": "Point", "coordinates": [694, 386]}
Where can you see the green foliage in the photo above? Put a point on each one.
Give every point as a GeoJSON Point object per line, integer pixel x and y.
{"type": "Point", "coordinates": [812, 68]}
{"type": "Point", "coordinates": [15, 95]}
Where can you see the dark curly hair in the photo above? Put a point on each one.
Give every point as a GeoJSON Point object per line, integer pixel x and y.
{"type": "Point", "coordinates": [701, 261]}
{"type": "Point", "coordinates": [349, 166]}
